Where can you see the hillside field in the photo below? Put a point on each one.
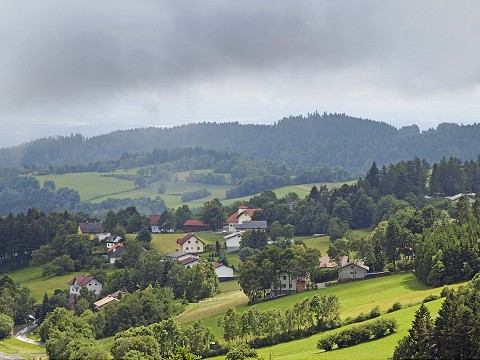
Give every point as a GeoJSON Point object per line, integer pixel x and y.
{"type": "Point", "coordinates": [21, 349]}
{"type": "Point", "coordinates": [96, 187]}
{"type": "Point", "coordinates": [355, 297]}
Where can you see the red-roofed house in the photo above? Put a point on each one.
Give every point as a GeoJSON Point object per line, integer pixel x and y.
{"type": "Point", "coordinates": [190, 261]}
{"type": "Point", "coordinates": [191, 243]}
{"type": "Point", "coordinates": [193, 225]}
{"type": "Point", "coordinates": [243, 214]}
{"type": "Point", "coordinates": [88, 282]}
{"type": "Point", "coordinates": [154, 221]}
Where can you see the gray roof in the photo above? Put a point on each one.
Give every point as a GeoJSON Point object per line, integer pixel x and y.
{"type": "Point", "coordinates": [252, 225]}
{"type": "Point", "coordinates": [178, 254]}
{"type": "Point", "coordinates": [91, 228]}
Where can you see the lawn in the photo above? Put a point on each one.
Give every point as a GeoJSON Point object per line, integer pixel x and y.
{"type": "Point", "coordinates": [25, 350]}
{"type": "Point", "coordinates": [32, 278]}
{"type": "Point", "coordinates": [316, 242]}
{"type": "Point", "coordinates": [355, 297]}
{"type": "Point", "coordinates": [306, 349]}
{"type": "Point", "coordinates": [167, 243]}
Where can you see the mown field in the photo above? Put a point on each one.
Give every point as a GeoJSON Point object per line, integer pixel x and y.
{"type": "Point", "coordinates": [22, 349]}
{"type": "Point", "coordinates": [355, 297]}
{"type": "Point", "coordinates": [167, 243]}
{"type": "Point", "coordinates": [96, 187]}
{"type": "Point", "coordinates": [381, 349]}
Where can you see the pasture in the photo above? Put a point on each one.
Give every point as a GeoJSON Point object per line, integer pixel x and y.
{"type": "Point", "coordinates": [355, 297]}
{"type": "Point", "coordinates": [12, 346]}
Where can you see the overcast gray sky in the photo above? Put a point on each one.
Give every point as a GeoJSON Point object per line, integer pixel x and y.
{"type": "Point", "coordinates": [95, 66]}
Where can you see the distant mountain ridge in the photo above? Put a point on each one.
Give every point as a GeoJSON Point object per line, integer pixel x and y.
{"type": "Point", "coordinates": [334, 140]}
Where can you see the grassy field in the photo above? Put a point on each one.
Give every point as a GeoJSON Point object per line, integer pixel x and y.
{"type": "Point", "coordinates": [167, 243]}
{"type": "Point", "coordinates": [32, 278]}
{"type": "Point", "coordinates": [306, 349]}
{"type": "Point", "coordinates": [96, 187]}
{"type": "Point", "coordinates": [355, 297]}
{"type": "Point", "coordinates": [316, 242]}
{"type": "Point", "coordinates": [20, 348]}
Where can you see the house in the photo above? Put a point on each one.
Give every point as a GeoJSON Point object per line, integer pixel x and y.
{"type": "Point", "coordinates": [191, 243]}
{"type": "Point", "coordinates": [243, 214]}
{"type": "Point", "coordinates": [112, 241]}
{"type": "Point", "coordinates": [190, 261]}
{"type": "Point", "coordinates": [258, 225]}
{"type": "Point", "coordinates": [89, 228]}
{"type": "Point", "coordinates": [103, 237]}
{"type": "Point", "coordinates": [88, 282]}
{"type": "Point", "coordinates": [193, 225]}
{"type": "Point", "coordinates": [154, 221]}
{"type": "Point", "coordinates": [114, 297]}
{"type": "Point", "coordinates": [232, 241]}
{"type": "Point", "coordinates": [470, 197]}
{"type": "Point", "coordinates": [288, 284]}
{"type": "Point", "coordinates": [223, 272]}
{"type": "Point", "coordinates": [352, 270]}
{"type": "Point", "coordinates": [116, 252]}
{"type": "Point", "coordinates": [180, 255]}
{"type": "Point", "coordinates": [330, 263]}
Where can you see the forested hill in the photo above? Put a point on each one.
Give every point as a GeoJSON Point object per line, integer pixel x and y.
{"type": "Point", "coordinates": [315, 140]}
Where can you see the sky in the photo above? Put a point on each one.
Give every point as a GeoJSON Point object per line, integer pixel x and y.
{"type": "Point", "coordinates": [91, 67]}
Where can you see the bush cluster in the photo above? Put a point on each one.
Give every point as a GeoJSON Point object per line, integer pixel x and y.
{"type": "Point", "coordinates": [374, 313]}
{"type": "Point", "coordinates": [358, 334]}
{"type": "Point", "coordinates": [395, 307]}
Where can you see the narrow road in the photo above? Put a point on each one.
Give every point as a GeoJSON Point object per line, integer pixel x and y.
{"type": "Point", "coordinates": [22, 335]}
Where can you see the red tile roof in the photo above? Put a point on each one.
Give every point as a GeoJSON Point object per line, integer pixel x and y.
{"type": "Point", "coordinates": [81, 280]}
{"type": "Point", "coordinates": [233, 218]}
{"type": "Point", "coordinates": [182, 240]}
{"type": "Point", "coordinates": [194, 222]}
{"type": "Point", "coordinates": [154, 219]}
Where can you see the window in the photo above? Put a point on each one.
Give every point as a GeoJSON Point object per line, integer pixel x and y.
{"type": "Point", "coordinates": [284, 286]}
{"type": "Point", "coordinates": [284, 278]}
{"type": "Point", "coordinates": [196, 241]}
{"type": "Point", "coordinates": [189, 241]}
{"type": "Point", "coordinates": [198, 248]}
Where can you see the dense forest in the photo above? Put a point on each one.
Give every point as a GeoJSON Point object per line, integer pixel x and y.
{"type": "Point", "coordinates": [314, 140]}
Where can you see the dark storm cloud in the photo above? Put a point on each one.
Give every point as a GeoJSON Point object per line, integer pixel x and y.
{"type": "Point", "coordinates": [62, 55]}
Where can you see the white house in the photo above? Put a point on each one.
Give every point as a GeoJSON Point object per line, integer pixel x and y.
{"type": "Point", "coordinates": [112, 241]}
{"type": "Point", "coordinates": [181, 255]}
{"type": "Point", "coordinates": [191, 243]}
{"type": "Point", "coordinates": [116, 252]}
{"type": "Point", "coordinates": [243, 214]}
{"type": "Point", "coordinates": [353, 270]}
{"type": "Point", "coordinates": [88, 282]}
{"type": "Point", "coordinates": [232, 241]}
{"type": "Point", "coordinates": [190, 261]}
{"type": "Point", "coordinates": [223, 272]}
{"type": "Point", "coordinates": [286, 284]}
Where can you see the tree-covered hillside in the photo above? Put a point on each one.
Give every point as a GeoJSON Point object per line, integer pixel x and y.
{"type": "Point", "coordinates": [334, 140]}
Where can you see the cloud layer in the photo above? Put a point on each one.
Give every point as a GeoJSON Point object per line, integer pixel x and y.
{"type": "Point", "coordinates": [97, 65]}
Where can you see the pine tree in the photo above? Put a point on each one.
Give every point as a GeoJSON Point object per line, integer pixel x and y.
{"type": "Point", "coordinates": [418, 343]}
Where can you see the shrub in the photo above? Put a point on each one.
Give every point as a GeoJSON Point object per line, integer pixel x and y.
{"type": "Point", "coordinates": [241, 352]}
{"type": "Point", "coordinates": [395, 307]}
{"type": "Point", "coordinates": [445, 291]}
{"type": "Point", "coordinates": [431, 297]}
{"type": "Point", "coordinates": [358, 334]}
{"type": "Point", "coordinates": [6, 326]}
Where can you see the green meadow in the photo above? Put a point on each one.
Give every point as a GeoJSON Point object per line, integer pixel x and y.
{"type": "Point", "coordinates": [96, 187]}
{"type": "Point", "coordinates": [21, 349]}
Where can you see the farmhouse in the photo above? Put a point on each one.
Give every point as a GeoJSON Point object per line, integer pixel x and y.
{"type": "Point", "coordinates": [112, 241]}
{"type": "Point", "coordinates": [114, 297]}
{"type": "Point", "coordinates": [88, 282]}
{"type": "Point", "coordinates": [193, 225]}
{"type": "Point", "coordinates": [116, 252]}
{"type": "Point", "coordinates": [89, 228]}
{"type": "Point", "coordinates": [154, 221]}
{"type": "Point", "coordinates": [223, 272]}
{"type": "Point", "coordinates": [232, 241]}
{"type": "Point", "coordinates": [187, 259]}
{"type": "Point", "coordinates": [258, 225]}
{"type": "Point", "coordinates": [243, 214]}
{"type": "Point", "coordinates": [352, 270]}
{"type": "Point", "coordinates": [288, 284]}
{"type": "Point", "coordinates": [191, 243]}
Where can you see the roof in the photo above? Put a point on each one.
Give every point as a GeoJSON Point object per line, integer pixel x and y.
{"type": "Point", "coordinates": [189, 260]}
{"type": "Point", "coordinates": [106, 300]}
{"type": "Point", "coordinates": [218, 264]}
{"type": "Point", "coordinates": [154, 219]}
{"type": "Point", "coordinates": [356, 263]}
{"type": "Point", "coordinates": [194, 222]}
{"type": "Point", "coordinates": [226, 237]}
{"type": "Point", "coordinates": [81, 280]}
{"type": "Point", "coordinates": [328, 262]}
{"type": "Point", "coordinates": [459, 196]}
{"type": "Point", "coordinates": [252, 225]}
{"type": "Point", "coordinates": [115, 248]}
{"type": "Point", "coordinates": [91, 228]}
{"type": "Point", "coordinates": [233, 218]}
{"type": "Point", "coordinates": [182, 240]}
{"type": "Point", "coordinates": [179, 254]}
